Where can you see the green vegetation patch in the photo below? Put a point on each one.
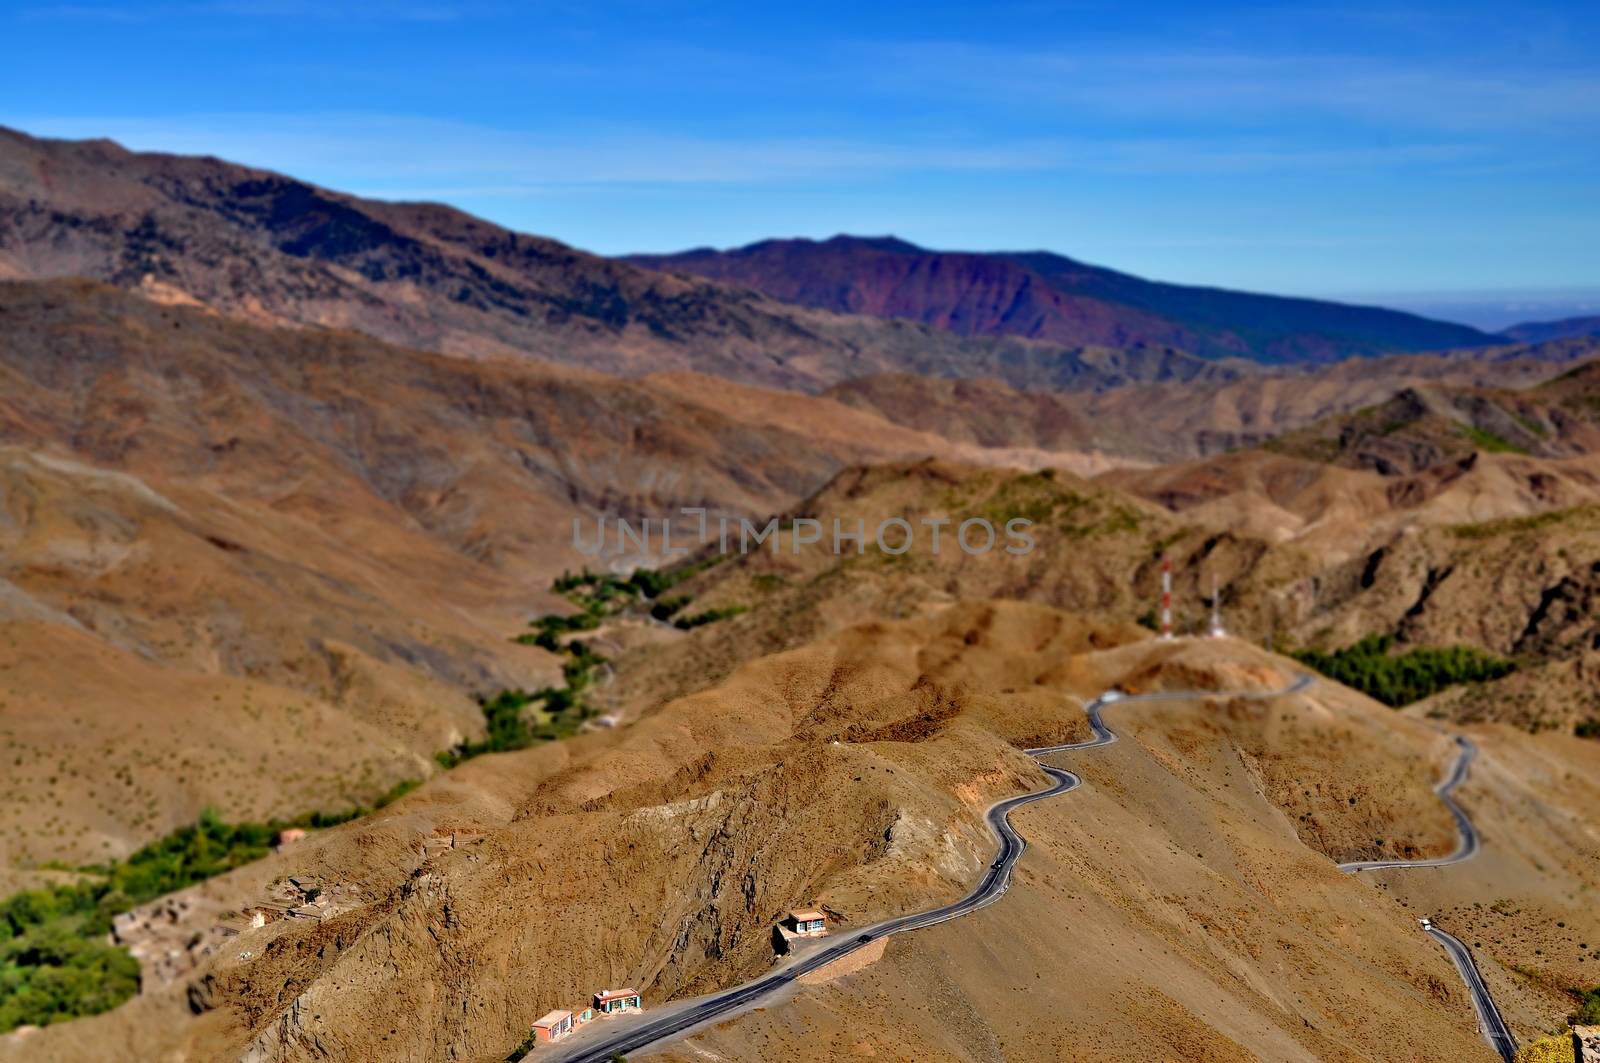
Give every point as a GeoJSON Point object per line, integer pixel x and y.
{"type": "Point", "coordinates": [602, 593]}
{"type": "Point", "coordinates": [55, 961]}
{"type": "Point", "coordinates": [1037, 498]}
{"type": "Point", "coordinates": [1033, 497]}
{"type": "Point", "coordinates": [1511, 525]}
{"type": "Point", "coordinates": [1589, 728]}
{"type": "Point", "coordinates": [1400, 679]}
{"type": "Point", "coordinates": [516, 719]}
{"type": "Point", "coordinates": [1490, 443]}
{"type": "Point", "coordinates": [548, 630]}
{"type": "Point", "coordinates": [709, 616]}
{"type": "Point", "coordinates": [1588, 1013]}
{"type": "Point", "coordinates": [1532, 426]}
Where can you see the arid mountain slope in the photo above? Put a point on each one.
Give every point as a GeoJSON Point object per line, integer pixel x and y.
{"type": "Point", "coordinates": [490, 458]}
{"type": "Point", "coordinates": [1048, 297]}
{"type": "Point", "coordinates": [584, 877]}
{"type": "Point", "coordinates": [168, 648]}
{"type": "Point", "coordinates": [319, 542]}
{"type": "Point", "coordinates": [1070, 966]}
{"type": "Point", "coordinates": [853, 773]}
{"type": "Point", "coordinates": [274, 250]}
{"type": "Point", "coordinates": [1172, 420]}
{"type": "Point", "coordinates": [1420, 428]}
{"type": "Point", "coordinates": [1301, 552]}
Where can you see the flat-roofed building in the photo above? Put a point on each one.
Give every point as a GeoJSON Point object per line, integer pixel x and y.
{"type": "Point", "coordinates": [616, 1001]}
{"type": "Point", "coordinates": [554, 1026]}
{"type": "Point", "coordinates": [807, 923]}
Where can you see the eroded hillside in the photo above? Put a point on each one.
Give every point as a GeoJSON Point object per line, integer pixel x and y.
{"type": "Point", "coordinates": [853, 773]}
{"type": "Point", "coordinates": [269, 569]}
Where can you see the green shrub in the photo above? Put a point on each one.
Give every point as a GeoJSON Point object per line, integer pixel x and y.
{"type": "Point", "coordinates": [53, 972]}
{"type": "Point", "coordinates": [1400, 679]}
{"type": "Point", "coordinates": [710, 616]}
{"type": "Point", "coordinates": [665, 607]}
{"type": "Point", "coordinates": [1490, 443]}
{"type": "Point", "coordinates": [1588, 1013]}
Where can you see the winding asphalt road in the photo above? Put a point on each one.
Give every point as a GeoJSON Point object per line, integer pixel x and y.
{"type": "Point", "coordinates": [1467, 847]}
{"type": "Point", "coordinates": [997, 879]}
{"type": "Point", "coordinates": [1490, 1023]}
{"type": "Point", "coordinates": [1493, 1027]}
{"type": "Point", "coordinates": [990, 889]}
{"type": "Point", "coordinates": [993, 885]}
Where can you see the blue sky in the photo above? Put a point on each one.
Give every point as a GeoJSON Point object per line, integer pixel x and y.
{"type": "Point", "coordinates": [1446, 152]}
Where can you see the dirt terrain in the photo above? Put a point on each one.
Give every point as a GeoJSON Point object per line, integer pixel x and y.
{"type": "Point", "coordinates": [289, 559]}
{"type": "Point", "coordinates": [1330, 556]}
{"type": "Point", "coordinates": [1175, 420]}
{"type": "Point", "coordinates": [396, 516]}
{"type": "Point", "coordinates": [255, 560]}
{"type": "Point", "coordinates": [1163, 973]}
{"type": "Point", "coordinates": [584, 876]}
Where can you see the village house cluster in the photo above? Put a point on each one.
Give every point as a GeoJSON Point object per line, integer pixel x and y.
{"type": "Point", "coordinates": [553, 1026]}
{"type": "Point", "coordinates": [557, 1024]}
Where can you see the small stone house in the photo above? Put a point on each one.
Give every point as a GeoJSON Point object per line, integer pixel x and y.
{"type": "Point", "coordinates": [808, 923]}
{"type": "Point", "coordinates": [616, 1001]}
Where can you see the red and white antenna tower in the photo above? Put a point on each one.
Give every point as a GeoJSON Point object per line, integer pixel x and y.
{"type": "Point", "coordinates": [1166, 597]}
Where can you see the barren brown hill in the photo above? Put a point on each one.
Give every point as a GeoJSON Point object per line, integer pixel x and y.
{"type": "Point", "coordinates": [275, 250]}
{"type": "Point", "coordinates": [659, 853]}
{"type": "Point", "coordinates": [1163, 421]}
{"type": "Point", "coordinates": [852, 774]}
{"type": "Point", "coordinates": [168, 648]}
{"type": "Point", "coordinates": [1420, 428]}
{"type": "Point", "coordinates": [316, 542]}
{"type": "Point", "coordinates": [1086, 973]}
{"type": "Point", "coordinates": [1304, 553]}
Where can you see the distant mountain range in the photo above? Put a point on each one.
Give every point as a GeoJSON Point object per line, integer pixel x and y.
{"type": "Point", "coordinates": [1566, 328]}
{"type": "Point", "coordinates": [270, 249]}
{"type": "Point", "coordinates": [1048, 297]}
{"type": "Point", "coordinates": [786, 313]}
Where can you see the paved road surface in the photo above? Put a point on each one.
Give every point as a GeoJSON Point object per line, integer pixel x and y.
{"type": "Point", "coordinates": [1490, 1024]}
{"type": "Point", "coordinates": [1467, 847]}
{"type": "Point", "coordinates": [993, 885]}
{"type": "Point", "coordinates": [1493, 1027]}
{"type": "Point", "coordinates": [998, 878]}
{"type": "Point", "coordinates": [990, 889]}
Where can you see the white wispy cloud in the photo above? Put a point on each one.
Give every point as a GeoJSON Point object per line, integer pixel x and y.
{"type": "Point", "coordinates": [273, 9]}
{"type": "Point", "coordinates": [428, 158]}
{"type": "Point", "coordinates": [1225, 85]}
